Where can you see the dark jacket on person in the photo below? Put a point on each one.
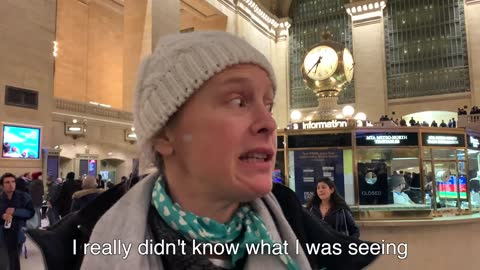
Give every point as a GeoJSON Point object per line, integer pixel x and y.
{"type": "Point", "coordinates": [339, 219]}
{"type": "Point", "coordinates": [22, 202]}
{"type": "Point", "coordinates": [65, 201]}
{"type": "Point", "coordinates": [53, 193]}
{"type": "Point", "coordinates": [56, 241]}
{"type": "Point", "coordinates": [36, 192]}
{"type": "Point", "coordinates": [21, 184]}
{"type": "Point", "coordinates": [82, 198]}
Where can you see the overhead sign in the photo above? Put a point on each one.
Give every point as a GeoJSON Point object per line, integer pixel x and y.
{"type": "Point", "coordinates": [434, 139]}
{"type": "Point", "coordinates": [473, 141]}
{"type": "Point", "coordinates": [320, 124]}
{"type": "Point", "coordinates": [320, 140]}
{"type": "Point", "coordinates": [387, 139]}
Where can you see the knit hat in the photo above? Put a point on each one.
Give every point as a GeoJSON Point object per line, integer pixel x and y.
{"type": "Point", "coordinates": [180, 65]}
{"type": "Point", "coordinates": [36, 175]}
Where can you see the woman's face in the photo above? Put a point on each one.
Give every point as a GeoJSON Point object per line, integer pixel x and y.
{"type": "Point", "coordinates": [324, 191]}
{"type": "Point", "coordinates": [224, 137]}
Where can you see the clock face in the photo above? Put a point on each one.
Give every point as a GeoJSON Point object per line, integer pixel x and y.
{"type": "Point", "coordinates": [320, 63]}
{"type": "Point", "coordinates": [348, 64]}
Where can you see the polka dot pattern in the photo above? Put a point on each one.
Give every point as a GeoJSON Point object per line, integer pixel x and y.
{"type": "Point", "coordinates": [245, 227]}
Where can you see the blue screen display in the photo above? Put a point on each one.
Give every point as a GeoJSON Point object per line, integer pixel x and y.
{"type": "Point", "coordinates": [21, 142]}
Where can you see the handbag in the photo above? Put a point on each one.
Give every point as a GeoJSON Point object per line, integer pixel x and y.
{"type": "Point", "coordinates": [338, 218]}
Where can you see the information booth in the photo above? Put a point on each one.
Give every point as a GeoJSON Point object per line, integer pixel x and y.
{"type": "Point", "coordinates": [386, 173]}
{"type": "Point", "coordinates": [315, 154]}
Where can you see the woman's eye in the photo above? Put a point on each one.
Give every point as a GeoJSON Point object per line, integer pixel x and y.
{"type": "Point", "coordinates": [269, 107]}
{"type": "Point", "coordinates": [239, 102]}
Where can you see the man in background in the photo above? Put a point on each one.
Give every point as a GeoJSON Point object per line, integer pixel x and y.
{"type": "Point", "coordinates": [15, 209]}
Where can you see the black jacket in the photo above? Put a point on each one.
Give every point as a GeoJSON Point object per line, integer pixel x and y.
{"type": "Point", "coordinates": [82, 198]}
{"type": "Point", "coordinates": [56, 241]}
{"type": "Point", "coordinates": [65, 199]}
{"type": "Point", "coordinates": [339, 219]}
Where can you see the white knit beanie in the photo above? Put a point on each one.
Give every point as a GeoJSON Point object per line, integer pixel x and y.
{"type": "Point", "coordinates": [181, 64]}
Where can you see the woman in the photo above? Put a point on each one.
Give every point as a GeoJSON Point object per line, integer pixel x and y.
{"type": "Point", "coordinates": [203, 118]}
{"type": "Point", "coordinates": [89, 192]}
{"type": "Point", "coordinates": [328, 205]}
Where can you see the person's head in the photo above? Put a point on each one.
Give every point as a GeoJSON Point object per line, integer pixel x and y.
{"type": "Point", "coordinates": [36, 175]}
{"type": "Point", "coordinates": [203, 115]}
{"type": "Point", "coordinates": [397, 183]}
{"type": "Point", "coordinates": [89, 182]}
{"type": "Point", "coordinates": [326, 191]}
{"type": "Point", "coordinates": [99, 177]}
{"type": "Point", "coordinates": [70, 176]}
{"type": "Point", "coordinates": [6, 147]}
{"type": "Point", "coordinates": [124, 178]}
{"type": "Point", "coordinates": [7, 181]}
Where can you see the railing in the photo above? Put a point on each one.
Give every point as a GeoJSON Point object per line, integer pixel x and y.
{"type": "Point", "coordinates": [471, 120]}
{"type": "Point", "coordinates": [85, 108]}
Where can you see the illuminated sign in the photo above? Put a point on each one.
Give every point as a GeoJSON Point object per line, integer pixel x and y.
{"type": "Point", "coordinates": [320, 124]}
{"type": "Point", "coordinates": [431, 139]}
{"type": "Point", "coordinates": [473, 141]}
{"type": "Point", "coordinates": [387, 139]}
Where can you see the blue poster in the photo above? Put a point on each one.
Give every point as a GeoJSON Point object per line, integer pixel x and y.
{"type": "Point", "coordinates": [311, 165]}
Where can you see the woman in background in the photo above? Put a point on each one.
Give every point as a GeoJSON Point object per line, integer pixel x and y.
{"type": "Point", "coordinates": [329, 206]}
{"type": "Point", "coordinates": [88, 193]}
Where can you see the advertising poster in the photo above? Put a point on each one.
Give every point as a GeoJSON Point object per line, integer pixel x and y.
{"type": "Point", "coordinates": [311, 165]}
{"type": "Point", "coordinates": [21, 142]}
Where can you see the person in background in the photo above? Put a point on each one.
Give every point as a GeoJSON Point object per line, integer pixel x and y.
{"type": "Point", "coordinates": [454, 123]}
{"type": "Point", "coordinates": [100, 182]}
{"type": "Point", "coordinates": [52, 198]}
{"type": "Point", "coordinates": [15, 209]}
{"type": "Point", "coordinates": [412, 122]}
{"type": "Point", "coordinates": [124, 179]}
{"type": "Point", "coordinates": [36, 192]}
{"type": "Point", "coordinates": [109, 184]}
{"type": "Point", "coordinates": [397, 185]}
{"type": "Point", "coordinates": [23, 182]}
{"type": "Point", "coordinates": [329, 206]}
{"type": "Point", "coordinates": [88, 193]}
{"type": "Point", "coordinates": [69, 187]}
{"type": "Point", "coordinates": [443, 124]}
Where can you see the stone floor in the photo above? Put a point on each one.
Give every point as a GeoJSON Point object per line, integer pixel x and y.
{"type": "Point", "coordinates": [33, 260]}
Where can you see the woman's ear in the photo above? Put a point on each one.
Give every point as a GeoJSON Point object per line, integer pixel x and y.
{"type": "Point", "coordinates": [163, 144]}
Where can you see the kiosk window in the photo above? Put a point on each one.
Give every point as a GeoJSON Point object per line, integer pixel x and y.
{"type": "Point", "coordinates": [448, 154]}
{"type": "Point", "coordinates": [474, 176]}
{"type": "Point", "coordinates": [389, 176]}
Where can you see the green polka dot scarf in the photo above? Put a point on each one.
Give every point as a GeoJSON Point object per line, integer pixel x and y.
{"type": "Point", "coordinates": [245, 227]}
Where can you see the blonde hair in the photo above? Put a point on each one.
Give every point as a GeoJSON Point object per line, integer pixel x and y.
{"type": "Point", "coordinates": [89, 182]}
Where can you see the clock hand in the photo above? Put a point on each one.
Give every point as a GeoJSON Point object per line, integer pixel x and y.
{"type": "Point", "coordinates": [315, 65]}
{"type": "Point", "coordinates": [318, 62]}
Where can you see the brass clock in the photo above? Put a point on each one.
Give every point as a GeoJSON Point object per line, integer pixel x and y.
{"type": "Point", "coordinates": [327, 67]}
{"type": "Point", "coordinates": [320, 62]}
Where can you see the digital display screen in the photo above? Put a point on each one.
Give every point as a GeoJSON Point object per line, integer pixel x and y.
{"type": "Point", "coordinates": [21, 142]}
{"type": "Point", "coordinates": [92, 167]}
{"type": "Point", "coordinates": [448, 190]}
